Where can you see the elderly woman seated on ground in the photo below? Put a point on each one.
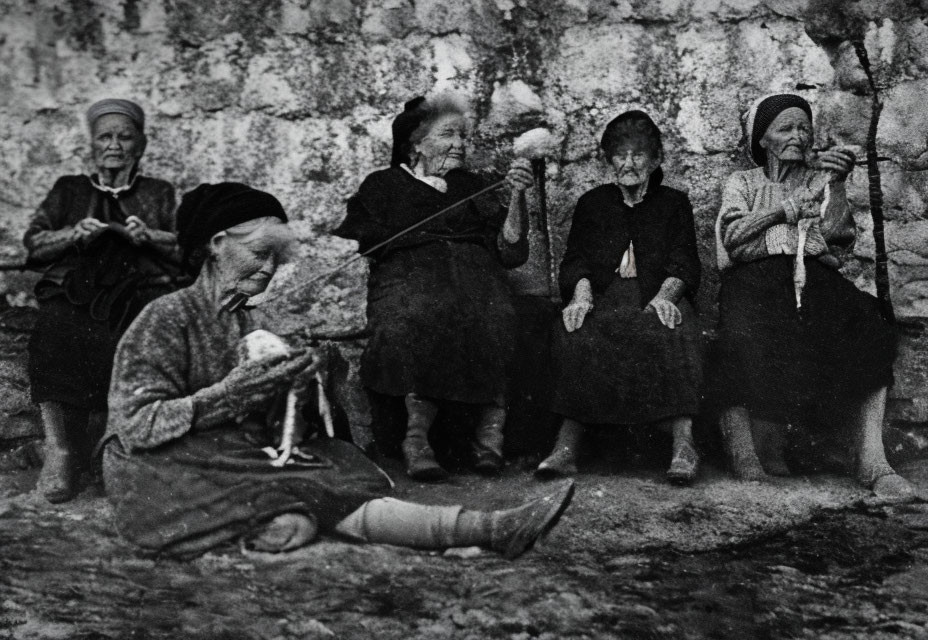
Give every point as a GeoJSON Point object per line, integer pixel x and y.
{"type": "Point", "coordinates": [795, 337]}
{"type": "Point", "coordinates": [106, 243]}
{"type": "Point", "coordinates": [186, 462]}
{"type": "Point", "coordinates": [438, 306]}
{"type": "Point", "coordinates": [626, 350]}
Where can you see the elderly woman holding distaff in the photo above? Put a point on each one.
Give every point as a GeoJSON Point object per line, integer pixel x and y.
{"type": "Point", "coordinates": [794, 335]}
{"type": "Point", "coordinates": [185, 461]}
{"type": "Point", "coordinates": [439, 308]}
{"type": "Point", "coordinates": [106, 243]}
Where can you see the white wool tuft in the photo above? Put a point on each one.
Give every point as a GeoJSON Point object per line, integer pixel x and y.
{"type": "Point", "coordinates": [261, 345]}
{"type": "Point", "coordinates": [536, 143]}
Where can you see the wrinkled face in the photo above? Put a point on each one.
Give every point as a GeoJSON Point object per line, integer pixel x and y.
{"type": "Point", "coordinates": [788, 136]}
{"type": "Point", "coordinates": [634, 161]}
{"type": "Point", "coordinates": [444, 145]}
{"type": "Point", "coordinates": [247, 264]}
{"type": "Point", "coordinates": [116, 142]}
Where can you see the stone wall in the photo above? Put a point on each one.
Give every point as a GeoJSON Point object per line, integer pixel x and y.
{"type": "Point", "coordinates": [296, 97]}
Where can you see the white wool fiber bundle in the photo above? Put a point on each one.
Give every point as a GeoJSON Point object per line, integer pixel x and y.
{"type": "Point", "coordinates": [535, 143]}
{"type": "Point", "coordinates": [261, 345]}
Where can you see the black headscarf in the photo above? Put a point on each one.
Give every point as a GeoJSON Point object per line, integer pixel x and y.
{"type": "Point", "coordinates": [404, 125]}
{"type": "Point", "coordinates": [630, 123]}
{"type": "Point", "coordinates": [211, 208]}
{"type": "Point", "coordinates": [762, 114]}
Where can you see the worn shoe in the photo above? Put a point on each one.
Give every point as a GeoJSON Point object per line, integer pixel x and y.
{"type": "Point", "coordinates": [893, 487]}
{"type": "Point", "coordinates": [562, 463]}
{"type": "Point", "coordinates": [57, 480]}
{"type": "Point", "coordinates": [487, 461]}
{"type": "Point", "coordinates": [285, 532]}
{"type": "Point", "coordinates": [515, 531]}
{"type": "Point", "coordinates": [684, 465]}
{"type": "Point", "coordinates": [420, 461]}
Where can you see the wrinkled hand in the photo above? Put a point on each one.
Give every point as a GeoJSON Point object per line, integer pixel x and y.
{"type": "Point", "coordinates": [137, 229]}
{"type": "Point", "coordinates": [667, 312]}
{"type": "Point", "coordinates": [88, 229]}
{"type": "Point", "coordinates": [574, 314]}
{"type": "Point", "coordinates": [519, 177]}
{"type": "Point", "coordinates": [251, 384]}
{"type": "Point", "coordinates": [581, 304]}
{"type": "Point", "coordinates": [840, 160]}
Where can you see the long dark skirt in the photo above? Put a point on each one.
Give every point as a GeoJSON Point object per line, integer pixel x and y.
{"type": "Point", "coordinates": [780, 363]}
{"type": "Point", "coordinates": [209, 487]}
{"type": "Point", "coordinates": [70, 355]}
{"type": "Point", "coordinates": [442, 324]}
{"type": "Point", "coordinates": [623, 366]}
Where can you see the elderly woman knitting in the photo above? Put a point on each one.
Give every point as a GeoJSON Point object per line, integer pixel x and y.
{"type": "Point", "coordinates": [626, 348]}
{"type": "Point", "coordinates": [106, 243]}
{"type": "Point", "coordinates": [794, 335]}
{"type": "Point", "coordinates": [442, 321]}
{"type": "Point", "coordinates": [189, 460]}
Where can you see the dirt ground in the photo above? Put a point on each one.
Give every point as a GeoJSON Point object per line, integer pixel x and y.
{"type": "Point", "coordinates": [633, 557]}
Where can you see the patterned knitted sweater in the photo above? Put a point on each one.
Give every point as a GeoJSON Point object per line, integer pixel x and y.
{"type": "Point", "coordinates": [179, 345]}
{"type": "Point", "coordinates": [743, 235]}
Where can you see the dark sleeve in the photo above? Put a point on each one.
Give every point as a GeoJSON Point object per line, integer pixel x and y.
{"type": "Point", "coordinates": [683, 256]}
{"type": "Point", "coordinates": [167, 205]}
{"type": "Point", "coordinates": [51, 214]}
{"type": "Point", "coordinates": [361, 225]}
{"type": "Point", "coordinates": [577, 263]}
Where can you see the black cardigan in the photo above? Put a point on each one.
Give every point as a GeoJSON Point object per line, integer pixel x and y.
{"type": "Point", "coordinates": [661, 228]}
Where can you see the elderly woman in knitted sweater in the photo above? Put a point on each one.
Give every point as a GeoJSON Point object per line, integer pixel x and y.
{"type": "Point", "coordinates": [185, 462]}
{"type": "Point", "coordinates": [794, 335]}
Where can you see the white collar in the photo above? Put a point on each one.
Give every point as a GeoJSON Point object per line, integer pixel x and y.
{"type": "Point", "coordinates": [113, 191]}
{"type": "Point", "coordinates": [436, 182]}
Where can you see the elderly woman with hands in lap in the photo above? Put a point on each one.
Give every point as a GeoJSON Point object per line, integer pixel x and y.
{"type": "Point", "coordinates": [626, 350]}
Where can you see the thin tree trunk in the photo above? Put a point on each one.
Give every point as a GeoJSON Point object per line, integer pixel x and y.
{"type": "Point", "coordinates": [876, 192]}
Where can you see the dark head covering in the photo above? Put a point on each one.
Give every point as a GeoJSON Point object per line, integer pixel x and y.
{"type": "Point", "coordinates": [404, 125]}
{"type": "Point", "coordinates": [211, 208]}
{"type": "Point", "coordinates": [116, 105]}
{"type": "Point", "coordinates": [635, 123]}
{"type": "Point", "coordinates": [760, 116]}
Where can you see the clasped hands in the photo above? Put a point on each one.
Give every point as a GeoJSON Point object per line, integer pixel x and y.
{"type": "Point", "coordinates": [89, 228]}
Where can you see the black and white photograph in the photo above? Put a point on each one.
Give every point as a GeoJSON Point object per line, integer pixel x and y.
{"type": "Point", "coordinates": [463, 319]}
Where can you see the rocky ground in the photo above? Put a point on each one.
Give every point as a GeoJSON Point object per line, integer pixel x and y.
{"type": "Point", "coordinates": [804, 557]}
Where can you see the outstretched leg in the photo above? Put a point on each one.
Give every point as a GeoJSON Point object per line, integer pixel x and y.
{"type": "Point", "coordinates": [511, 532]}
